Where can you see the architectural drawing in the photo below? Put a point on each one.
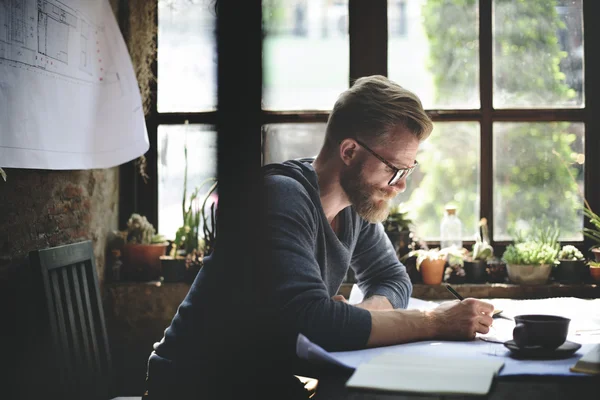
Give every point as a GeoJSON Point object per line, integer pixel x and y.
{"type": "Point", "coordinates": [69, 60]}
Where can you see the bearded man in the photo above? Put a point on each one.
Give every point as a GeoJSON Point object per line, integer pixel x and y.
{"type": "Point", "coordinates": [323, 216]}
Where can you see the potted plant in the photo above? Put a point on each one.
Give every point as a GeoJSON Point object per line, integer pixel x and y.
{"type": "Point", "coordinates": [141, 250]}
{"type": "Point", "coordinates": [476, 261]}
{"type": "Point", "coordinates": [188, 249]}
{"type": "Point", "coordinates": [529, 260]}
{"type": "Point", "coordinates": [455, 261]}
{"type": "Point", "coordinates": [595, 270]}
{"type": "Point", "coordinates": [430, 263]}
{"type": "Point", "coordinates": [187, 244]}
{"type": "Point", "coordinates": [571, 266]}
{"type": "Point", "coordinates": [398, 226]}
{"type": "Point", "coordinates": [593, 233]}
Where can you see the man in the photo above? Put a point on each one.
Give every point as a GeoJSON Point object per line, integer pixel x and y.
{"type": "Point", "coordinates": [322, 218]}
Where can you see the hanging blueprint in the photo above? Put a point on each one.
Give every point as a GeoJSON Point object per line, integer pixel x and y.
{"type": "Point", "coordinates": [69, 98]}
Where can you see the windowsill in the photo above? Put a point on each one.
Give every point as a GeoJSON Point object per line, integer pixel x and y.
{"type": "Point", "coordinates": [499, 290]}
{"type": "Point", "coordinates": [420, 291]}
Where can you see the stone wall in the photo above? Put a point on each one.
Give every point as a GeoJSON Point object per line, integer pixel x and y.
{"type": "Point", "coordinates": [41, 209]}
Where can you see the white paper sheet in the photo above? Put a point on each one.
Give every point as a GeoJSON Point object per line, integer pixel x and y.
{"type": "Point", "coordinates": [585, 322]}
{"type": "Point", "coordinates": [427, 374]}
{"type": "Point", "coordinates": [69, 98]}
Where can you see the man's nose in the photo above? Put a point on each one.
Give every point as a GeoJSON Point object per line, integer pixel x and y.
{"type": "Point", "coordinates": [400, 186]}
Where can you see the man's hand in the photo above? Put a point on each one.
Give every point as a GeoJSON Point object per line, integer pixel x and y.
{"type": "Point", "coordinates": [461, 320]}
{"type": "Point", "coordinates": [339, 297]}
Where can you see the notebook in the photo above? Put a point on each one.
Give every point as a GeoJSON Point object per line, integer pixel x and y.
{"type": "Point", "coordinates": [426, 374]}
{"type": "Point", "coordinates": [590, 362]}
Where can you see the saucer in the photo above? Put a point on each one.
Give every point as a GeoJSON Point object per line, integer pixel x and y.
{"type": "Point", "coordinates": [563, 351]}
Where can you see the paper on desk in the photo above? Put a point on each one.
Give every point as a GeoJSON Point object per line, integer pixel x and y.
{"type": "Point", "coordinates": [427, 374]}
{"type": "Point", "coordinates": [583, 314]}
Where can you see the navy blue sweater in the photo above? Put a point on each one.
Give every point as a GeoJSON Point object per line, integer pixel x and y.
{"type": "Point", "coordinates": [309, 263]}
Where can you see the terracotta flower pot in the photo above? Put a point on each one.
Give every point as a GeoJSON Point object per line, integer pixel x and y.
{"type": "Point", "coordinates": [432, 271]}
{"type": "Point", "coordinates": [141, 262]}
{"type": "Point", "coordinates": [595, 273]}
{"type": "Point", "coordinates": [529, 274]}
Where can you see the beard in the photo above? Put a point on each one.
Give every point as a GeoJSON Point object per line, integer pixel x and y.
{"type": "Point", "coordinates": [360, 193]}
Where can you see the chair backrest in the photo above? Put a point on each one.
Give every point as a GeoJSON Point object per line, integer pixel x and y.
{"type": "Point", "coordinates": [71, 318]}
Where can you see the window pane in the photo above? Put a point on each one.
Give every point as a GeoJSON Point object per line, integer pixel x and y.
{"type": "Point", "coordinates": [433, 51]}
{"type": "Point", "coordinates": [305, 54]}
{"type": "Point", "coordinates": [448, 172]}
{"type": "Point", "coordinates": [201, 143]}
{"type": "Point", "coordinates": [289, 141]}
{"type": "Point", "coordinates": [531, 183]}
{"type": "Point", "coordinates": [538, 54]}
{"type": "Point", "coordinates": [187, 61]}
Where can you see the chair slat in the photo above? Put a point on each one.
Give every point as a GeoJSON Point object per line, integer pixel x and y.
{"type": "Point", "coordinates": [81, 322]}
{"type": "Point", "coordinates": [87, 313]}
{"type": "Point", "coordinates": [62, 340]}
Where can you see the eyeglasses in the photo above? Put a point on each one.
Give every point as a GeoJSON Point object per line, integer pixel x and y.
{"type": "Point", "coordinates": [399, 173]}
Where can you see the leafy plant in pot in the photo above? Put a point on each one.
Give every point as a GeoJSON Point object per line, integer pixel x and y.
{"type": "Point", "coordinates": [398, 228]}
{"type": "Point", "coordinates": [529, 260]}
{"type": "Point", "coordinates": [595, 270]}
{"type": "Point", "coordinates": [592, 233]}
{"type": "Point", "coordinates": [571, 266]}
{"type": "Point", "coordinates": [431, 263]}
{"type": "Point", "coordinates": [141, 250]}
{"type": "Point", "coordinates": [455, 262]}
{"type": "Point", "coordinates": [188, 249]}
{"type": "Point", "coordinates": [475, 263]}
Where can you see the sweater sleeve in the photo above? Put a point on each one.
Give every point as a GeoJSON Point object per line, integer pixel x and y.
{"type": "Point", "coordinates": [301, 295]}
{"type": "Point", "coordinates": [378, 270]}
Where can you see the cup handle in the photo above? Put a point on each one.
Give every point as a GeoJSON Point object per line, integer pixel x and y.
{"type": "Point", "coordinates": [520, 335]}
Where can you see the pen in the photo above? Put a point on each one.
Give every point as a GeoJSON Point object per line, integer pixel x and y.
{"type": "Point", "coordinates": [454, 292]}
{"type": "Point", "coordinates": [496, 313]}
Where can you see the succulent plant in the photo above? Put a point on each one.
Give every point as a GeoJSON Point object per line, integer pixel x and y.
{"type": "Point", "coordinates": [569, 252]}
{"type": "Point", "coordinates": [141, 231]}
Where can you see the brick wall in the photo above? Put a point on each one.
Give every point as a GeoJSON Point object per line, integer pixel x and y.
{"type": "Point", "coordinates": [41, 209]}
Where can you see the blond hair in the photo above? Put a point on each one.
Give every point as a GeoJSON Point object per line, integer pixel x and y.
{"type": "Point", "coordinates": [372, 108]}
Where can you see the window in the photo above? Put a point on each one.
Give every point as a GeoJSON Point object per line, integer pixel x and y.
{"type": "Point", "coordinates": [503, 81]}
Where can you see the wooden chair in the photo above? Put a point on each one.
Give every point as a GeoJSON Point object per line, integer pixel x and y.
{"type": "Point", "coordinates": [72, 352]}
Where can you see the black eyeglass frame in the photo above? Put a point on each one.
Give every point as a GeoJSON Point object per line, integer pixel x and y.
{"type": "Point", "coordinates": [399, 173]}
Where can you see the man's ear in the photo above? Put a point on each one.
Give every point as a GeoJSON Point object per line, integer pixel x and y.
{"type": "Point", "coordinates": [348, 150]}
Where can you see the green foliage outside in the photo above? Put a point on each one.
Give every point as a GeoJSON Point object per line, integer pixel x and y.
{"type": "Point", "coordinates": [530, 183]}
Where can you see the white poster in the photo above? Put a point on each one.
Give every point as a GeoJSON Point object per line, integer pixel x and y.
{"type": "Point", "coordinates": [69, 98]}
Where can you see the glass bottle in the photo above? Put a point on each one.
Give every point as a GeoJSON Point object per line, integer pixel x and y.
{"type": "Point", "coordinates": [451, 229]}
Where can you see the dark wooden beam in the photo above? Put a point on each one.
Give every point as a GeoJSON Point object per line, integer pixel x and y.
{"type": "Point", "coordinates": [368, 38]}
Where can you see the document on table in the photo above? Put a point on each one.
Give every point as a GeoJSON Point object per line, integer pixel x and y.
{"type": "Point", "coordinates": [426, 374]}
{"type": "Point", "coordinates": [590, 362]}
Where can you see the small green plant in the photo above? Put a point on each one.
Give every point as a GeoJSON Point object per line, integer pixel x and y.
{"type": "Point", "coordinates": [592, 233]}
{"type": "Point", "coordinates": [539, 246]}
{"type": "Point", "coordinates": [482, 250]}
{"type": "Point", "coordinates": [454, 257]}
{"type": "Point", "coordinates": [571, 253]}
{"type": "Point", "coordinates": [397, 220]}
{"type": "Point", "coordinates": [141, 231]}
{"type": "Point", "coordinates": [187, 237]}
{"type": "Point", "coordinates": [594, 264]}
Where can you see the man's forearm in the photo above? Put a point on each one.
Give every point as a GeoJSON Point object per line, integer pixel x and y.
{"type": "Point", "coordinates": [376, 303]}
{"type": "Point", "coordinates": [400, 326]}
